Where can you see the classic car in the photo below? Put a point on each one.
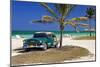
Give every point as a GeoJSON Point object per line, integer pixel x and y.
{"type": "Point", "coordinates": [42, 40]}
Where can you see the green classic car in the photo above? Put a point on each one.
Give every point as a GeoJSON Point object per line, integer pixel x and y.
{"type": "Point", "coordinates": [42, 40]}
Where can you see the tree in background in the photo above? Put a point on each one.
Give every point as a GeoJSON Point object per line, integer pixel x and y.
{"type": "Point", "coordinates": [90, 13]}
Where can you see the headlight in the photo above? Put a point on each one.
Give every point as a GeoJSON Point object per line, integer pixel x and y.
{"type": "Point", "coordinates": [40, 41]}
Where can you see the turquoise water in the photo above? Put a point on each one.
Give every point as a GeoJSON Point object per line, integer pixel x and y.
{"type": "Point", "coordinates": [28, 34]}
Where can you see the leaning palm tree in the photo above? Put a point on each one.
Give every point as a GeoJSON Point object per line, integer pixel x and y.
{"type": "Point", "coordinates": [90, 14]}
{"type": "Point", "coordinates": [59, 14]}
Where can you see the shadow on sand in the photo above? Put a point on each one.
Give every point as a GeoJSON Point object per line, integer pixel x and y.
{"type": "Point", "coordinates": [21, 50]}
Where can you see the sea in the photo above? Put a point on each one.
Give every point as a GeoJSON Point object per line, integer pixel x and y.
{"type": "Point", "coordinates": [29, 34]}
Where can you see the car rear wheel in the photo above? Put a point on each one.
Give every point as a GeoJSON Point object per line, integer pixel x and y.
{"type": "Point", "coordinates": [56, 45]}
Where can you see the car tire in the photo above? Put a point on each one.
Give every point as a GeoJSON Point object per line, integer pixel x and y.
{"type": "Point", "coordinates": [56, 45]}
{"type": "Point", "coordinates": [27, 49]}
{"type": "Point", "coordinates": [45, 47]}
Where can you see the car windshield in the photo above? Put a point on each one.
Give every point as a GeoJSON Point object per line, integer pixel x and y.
{"type": "Point", "coordinates": [38, 35]}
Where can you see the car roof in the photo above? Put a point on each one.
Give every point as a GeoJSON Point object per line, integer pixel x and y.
{"type": "Point", "coordinates": [45, 32]}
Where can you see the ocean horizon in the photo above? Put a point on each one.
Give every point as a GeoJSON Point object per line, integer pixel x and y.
{"type": "Point", "coordinates": [28, 34]}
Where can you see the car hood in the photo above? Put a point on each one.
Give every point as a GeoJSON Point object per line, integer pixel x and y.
{"type": "Point", "coordinates": [36, 39]}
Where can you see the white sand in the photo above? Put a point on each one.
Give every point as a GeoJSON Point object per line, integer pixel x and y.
{"type": "Point", "coordinates": [88, 44]}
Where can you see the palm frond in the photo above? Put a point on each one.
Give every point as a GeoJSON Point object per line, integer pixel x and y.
{"type": "Point", "coordinates": [63, 9]}
{"type": "Point", "coordinates": [42, 21]}
{"type": "Point", "coordinates": [49, 9]}
{"type": "Point", "coordinates": [39, 21]}
{"type": "Point", "coordinates": [45, 19]}
{"type": "Point", "coordinates": [84, 25]}
{"type": "Point", "coordinates": [48, 18]}
{"type": "Point", "coordinates": [75, 26]}
{"type": "Point", "coordinates": [80, 19]}
{"type": "Point", "coordinates": [90, 12]}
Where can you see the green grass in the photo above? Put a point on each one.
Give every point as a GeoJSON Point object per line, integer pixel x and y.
{"type": "Point", "coordinates": [85, 38]}
{"type": "Point", "coordinates": [56, 55]}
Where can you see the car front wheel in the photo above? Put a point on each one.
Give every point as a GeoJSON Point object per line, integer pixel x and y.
{"type": "Point", "coordinates": [45, 47]}
{"type": "Point", "coordinates": [27, 49]}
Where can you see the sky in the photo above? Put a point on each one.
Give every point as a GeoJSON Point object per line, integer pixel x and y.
{"type": "Point", "coordinates": [24, 12]}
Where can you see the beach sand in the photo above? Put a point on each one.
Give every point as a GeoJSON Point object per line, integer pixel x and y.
{"type": "Point", "coordinates": [88, 44]}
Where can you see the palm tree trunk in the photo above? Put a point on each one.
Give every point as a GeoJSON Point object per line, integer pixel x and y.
{"type": "Point", "coordinates": [61, 33]}
{"type": "Point", "coordinates": [90, 32]}
{"type": "Point", "coordinates": [90, 27]}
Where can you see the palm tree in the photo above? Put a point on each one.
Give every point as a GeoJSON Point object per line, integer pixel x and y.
{"type": "Point", "coordinates": [90, 14]}
{"type": "Point", "coordinates": [59, 14]}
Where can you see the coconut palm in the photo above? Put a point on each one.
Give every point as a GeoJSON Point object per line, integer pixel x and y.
{"type": "Point", "coordinates": [59, 14]}
{"type": "Point", "coordinates": [90, 14]}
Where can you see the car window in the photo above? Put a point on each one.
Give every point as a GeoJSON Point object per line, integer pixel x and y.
{"type": "Point", "coordinates": [38, 35]}
{"type": "Point", "coordinates": [51, 35]}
